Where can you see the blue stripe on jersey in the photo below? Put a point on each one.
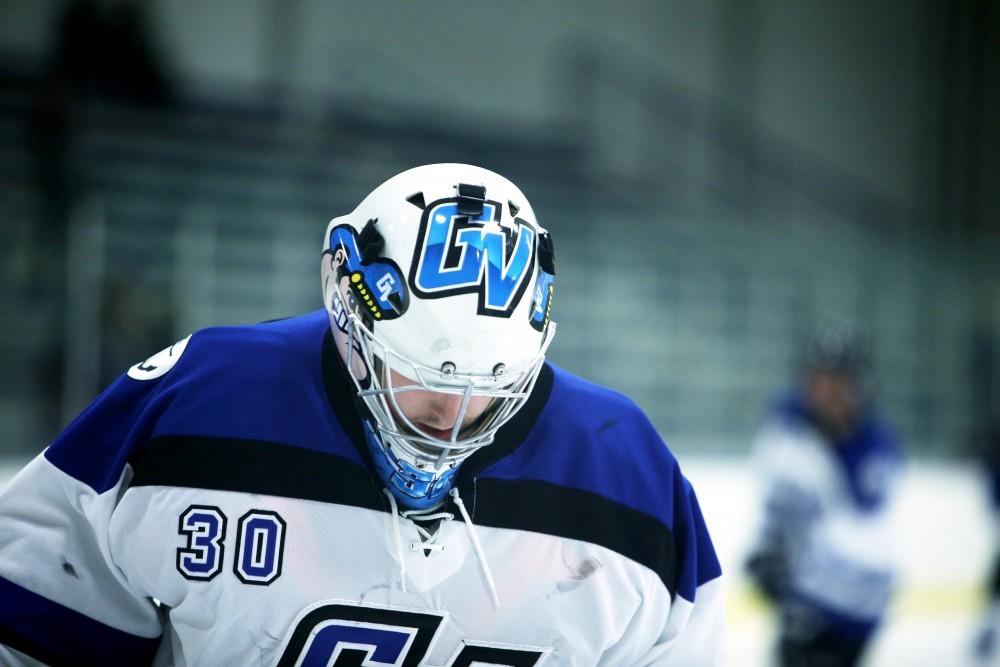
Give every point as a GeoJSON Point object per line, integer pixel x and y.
{"type": "Point", "coordinates": [259, 382]}
{"type": "Point", "coordinates": [57, 635]}
{"type": "Point", "coordinates": [96, 445]}
{"type": "Point", "coordinates": [596, 440]}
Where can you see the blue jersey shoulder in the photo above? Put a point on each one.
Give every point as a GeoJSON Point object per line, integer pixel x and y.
{"type": "Point", "coordinates": [250, 357]}
{"type": "Point", "coordinates": [594, 440]}
{"type": "Point", "coordinates": [260, 382]}
{"type": "Point", "coordinates": [256, 382]}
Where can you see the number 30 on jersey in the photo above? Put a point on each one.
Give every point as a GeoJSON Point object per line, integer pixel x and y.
{"type": "Point", "coordinates": [260, 545]}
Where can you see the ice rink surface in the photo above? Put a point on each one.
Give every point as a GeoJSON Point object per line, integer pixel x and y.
{"type": "Point", "coordinates": [946, 539]}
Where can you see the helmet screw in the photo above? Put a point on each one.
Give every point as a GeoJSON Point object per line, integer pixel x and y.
{"type": "Point", "coordinates": [421, 466]}
{"type": "Point", "coordinates": [447, 368]}
{"type": "Point", "coordinates": [498, 370]}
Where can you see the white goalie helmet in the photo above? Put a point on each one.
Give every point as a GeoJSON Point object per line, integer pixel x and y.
{"type": "Point", "coordinates": [440, 280]}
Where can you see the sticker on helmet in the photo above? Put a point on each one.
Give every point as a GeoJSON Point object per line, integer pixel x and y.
{"type": "Point", "coordinates": [159, 363]}
{"type": "Point", "coordinates": [460, 252]}
{"type": "Point", "coordinates": [541, 301]}
{"type": "Point", "coordinates": [375, 289]}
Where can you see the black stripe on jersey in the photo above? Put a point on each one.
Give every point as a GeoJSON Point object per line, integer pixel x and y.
{"type": "Point", "coordinates": [255, 466]}
{"type": "Point", "coordinates": [543, 507]}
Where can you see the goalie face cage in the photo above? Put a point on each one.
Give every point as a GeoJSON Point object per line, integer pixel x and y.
{"type": "Point", "coordinates": [507, 392]}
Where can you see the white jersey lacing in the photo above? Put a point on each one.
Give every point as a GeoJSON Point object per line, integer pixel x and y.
{"type": "Point", "coordinates": [428, 541]}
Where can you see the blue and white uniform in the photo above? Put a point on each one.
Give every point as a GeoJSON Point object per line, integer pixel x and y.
{"type": "Point", "coordinates": [828, 519]}
{"type": "Point", "coordinates": [216, 505]}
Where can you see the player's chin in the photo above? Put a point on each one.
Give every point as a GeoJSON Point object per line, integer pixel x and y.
{"type": "Point", "coordinates": [442, 434]}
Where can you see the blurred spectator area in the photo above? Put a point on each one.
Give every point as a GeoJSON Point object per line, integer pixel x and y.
{"type": "Point", "coordinates": [696, 244]}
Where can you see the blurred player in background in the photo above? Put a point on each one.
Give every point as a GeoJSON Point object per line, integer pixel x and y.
{"type": "Point", "coordinates": [399, 479]}
{"type": "Point", "coordinates": [828, 464]}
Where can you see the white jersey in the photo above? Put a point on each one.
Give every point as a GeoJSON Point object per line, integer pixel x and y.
{"type": "Point", "coordinates": [829, 506]}
{"type": "Point", "coordinates": [216, 507]}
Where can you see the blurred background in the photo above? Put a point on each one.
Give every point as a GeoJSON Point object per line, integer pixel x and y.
{"type": "Point", "coordinates": [718, 177]}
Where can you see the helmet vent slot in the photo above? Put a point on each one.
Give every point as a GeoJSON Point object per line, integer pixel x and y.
{"type": "Point", "coordinates": [370, 242]}
{"type": "Point", "coordinates": [417, 200]}
{"type": "Point", "coordinates": [471, 199]}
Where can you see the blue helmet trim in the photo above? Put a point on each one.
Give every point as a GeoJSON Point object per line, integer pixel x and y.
{"type": "Point", "coordinates": [415, 489]}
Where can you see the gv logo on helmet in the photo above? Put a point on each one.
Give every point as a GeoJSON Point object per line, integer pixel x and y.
{"type": "Point", "coordinates": [460, 253]}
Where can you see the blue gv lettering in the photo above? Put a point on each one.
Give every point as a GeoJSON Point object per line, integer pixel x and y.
{"type": "Point", "coordinates": [461, 254]}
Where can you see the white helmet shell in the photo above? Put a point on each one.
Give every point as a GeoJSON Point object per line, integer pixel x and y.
{"type": "Point", "coordinates": [451, 320]}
